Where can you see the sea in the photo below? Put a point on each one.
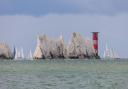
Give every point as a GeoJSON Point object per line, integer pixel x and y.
{"type": "Point", "coordinates": [64, 74]}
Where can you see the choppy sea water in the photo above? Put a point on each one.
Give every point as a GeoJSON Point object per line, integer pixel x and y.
{"type": "Point", "coordinates": [64, 74]}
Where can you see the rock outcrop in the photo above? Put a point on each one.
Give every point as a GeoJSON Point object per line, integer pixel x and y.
{"type": "Point", "coordinates": [78, 47]}
{"type": "Point", "coordinates": [49, 48]}
{"type": "Point", "coordinates": [5, 52]}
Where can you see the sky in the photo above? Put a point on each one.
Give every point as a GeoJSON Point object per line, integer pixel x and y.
{"type": "Point", "coordinates": [22, 20]}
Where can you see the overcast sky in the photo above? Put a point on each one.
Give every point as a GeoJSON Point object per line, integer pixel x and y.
{"type": "Point", "coordinates": [22, 20]}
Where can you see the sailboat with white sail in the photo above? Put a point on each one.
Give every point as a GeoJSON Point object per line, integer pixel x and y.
{"type": "Point", "coordinates": [30, 56]}
{"type": "Point", "coordinates": [19, 54]}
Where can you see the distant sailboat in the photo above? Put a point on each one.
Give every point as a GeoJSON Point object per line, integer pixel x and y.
{"type": "Point", "coordinates": [22, 53]}
{"type": "Point", "coordinates": [106, 52]}
{"type": "Point", "coordinates": [30, 56]}
{"type": "Point", "coordinates": [19, 54]}
{"type": "Point", "coordinates": [14, 52]}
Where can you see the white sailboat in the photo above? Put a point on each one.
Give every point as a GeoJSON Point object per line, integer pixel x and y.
{"type": "Point", "coordinates": [30, 56]}
{"type": "Point", "coordinates": [22, 53]}
{"type": "Point", "coordinates": [19, 55]}
{"type": "Point", "coordinates": [106, 52]}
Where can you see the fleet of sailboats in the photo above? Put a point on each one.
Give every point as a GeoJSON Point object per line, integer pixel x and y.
{"type": "Point", "coordinates": [19, 54]}
{"type": "Point", "coordinates": [110, 53]}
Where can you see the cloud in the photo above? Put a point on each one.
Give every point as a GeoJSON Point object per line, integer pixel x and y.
{"type": "Point", "coordinates": [22, 30]}
{"type": "Point", "coordinates": [44, 7]}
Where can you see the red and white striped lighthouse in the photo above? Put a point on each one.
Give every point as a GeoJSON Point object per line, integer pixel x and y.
{"type": "Point", "coordinates": [95, 41]}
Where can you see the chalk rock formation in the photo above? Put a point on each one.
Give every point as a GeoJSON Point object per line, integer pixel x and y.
{"type": "Point", "coordinates": [80, 47]}
{"type": "Point", "coordinates": [38, 53]}
{"type": "Point", "coordinates": [49, 48]}
{"type": "Point", "coordinates": [5, 52]}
